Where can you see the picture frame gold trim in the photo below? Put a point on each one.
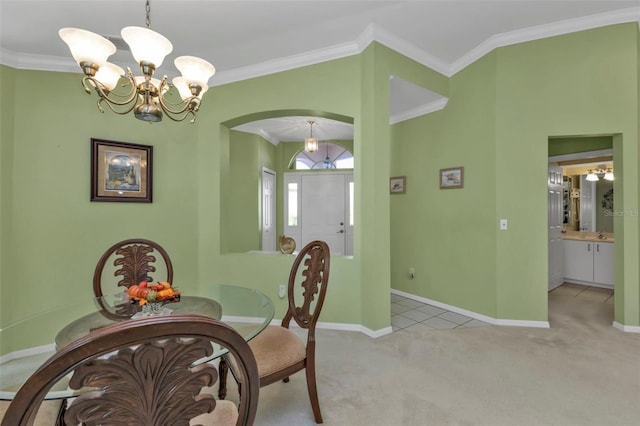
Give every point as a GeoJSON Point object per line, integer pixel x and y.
{"type": "Point", "coordinates": [452, 178]}
{"type": "Point", "coordinates": [121, 171]}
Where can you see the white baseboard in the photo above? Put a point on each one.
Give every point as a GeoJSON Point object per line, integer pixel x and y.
{"type": "Point", "coordinates": [355, 327]}
{"type": "Point", "coordinates": [321, 325]}
{"type": "Point", "coordinates": [27, 352]}
{"type": "Point", "coordinates": [474, 315]}
{"type": "Point", "coordinates": [626, 328]}
{"type": "Point", "coordinates": [588, 283]}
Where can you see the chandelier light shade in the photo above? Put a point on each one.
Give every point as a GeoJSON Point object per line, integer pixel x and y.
{"type": "Point", "coordinates": [109, 74]}
{"type": "Point", "coordinates": [147, 46]}
{"type": "Point", "coordinates": [311, 143]}
{"type": "Point", "coordinates": [149, 98]}
{"type": "Point", "coordinates": [87, 47]}
{"type": "Point", "coordinates": [195, 71]}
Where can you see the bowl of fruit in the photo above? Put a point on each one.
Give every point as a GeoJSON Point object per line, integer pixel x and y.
{"type": "Point", "coordinates": [146, 292]}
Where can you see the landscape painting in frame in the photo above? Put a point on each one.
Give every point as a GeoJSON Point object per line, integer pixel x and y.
{"type": "Point", "coordinates": [452, 178]}
{"type": "Point", "coordinates": [120, 171]}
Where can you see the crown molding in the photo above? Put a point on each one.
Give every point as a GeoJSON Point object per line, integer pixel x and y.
{"type": "Point", "coordinates": [544, 31]}
{"type": "Point", "coordinates": [371, 33]}
{"type": "Point", "coordinates": [37, 62]}
{"type": "Point", "coordinates": [407, 49]}
{"type": "Point", "coordinates": [288, 63]}
{"type": "Point", "coordinates": [436, 105]}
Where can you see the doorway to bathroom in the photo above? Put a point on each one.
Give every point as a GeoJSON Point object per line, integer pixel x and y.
{"type": "Point", "coordinates": [580, 222]}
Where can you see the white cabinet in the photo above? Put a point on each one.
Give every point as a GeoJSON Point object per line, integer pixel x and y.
{"type": "Point", "coordinates": [588, 262]}
{"type": "Point", "coordinates": [603, 263]}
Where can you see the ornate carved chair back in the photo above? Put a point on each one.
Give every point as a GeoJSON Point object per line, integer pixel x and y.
{"type": "Point", "coordinates": [134, 261]}
{"type": "Point", "coordinates": [144, 374]}
{"type": "Point", "coordinates": [311, 270]}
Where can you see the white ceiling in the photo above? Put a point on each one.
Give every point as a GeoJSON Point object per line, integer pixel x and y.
{"type": "Point", "coordinates": [245, 39]}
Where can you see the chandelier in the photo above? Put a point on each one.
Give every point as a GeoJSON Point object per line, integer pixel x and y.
{"type": "Point", "coordinates": [311, 143]}
{"type": "Point", "coordinates": [600, 172]}
{"type": "Point", "coordinates": [146, 96]}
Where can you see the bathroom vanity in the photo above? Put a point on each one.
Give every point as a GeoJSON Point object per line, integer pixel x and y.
{"type": "Point", "coordinates": [588, 258]}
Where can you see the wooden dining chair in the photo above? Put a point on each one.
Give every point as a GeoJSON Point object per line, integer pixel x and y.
{"type": "Point", "coordinates": [134, 262]}
{"type": "Point", "coordinates": [144, 372]}
{"type": "Point", "coordinates": [279, 352]}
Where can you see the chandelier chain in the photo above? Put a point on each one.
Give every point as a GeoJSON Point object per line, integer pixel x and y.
{"type": "Point", "coordinates": [148, 10]}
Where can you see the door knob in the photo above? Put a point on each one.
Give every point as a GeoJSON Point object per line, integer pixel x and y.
{"type": "Point", "coordinates": [341, 231]}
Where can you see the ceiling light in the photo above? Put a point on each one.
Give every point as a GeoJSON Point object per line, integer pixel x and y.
{"type": "Point", "coordinates": [327, 163]}
{"type": "Point", "coordinates": [147, 97]}
{"type": "Point", "coordinates": [311, 143]}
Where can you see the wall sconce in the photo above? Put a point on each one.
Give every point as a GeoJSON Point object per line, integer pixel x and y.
{"type": "Point", "coordinates": [600, 172]}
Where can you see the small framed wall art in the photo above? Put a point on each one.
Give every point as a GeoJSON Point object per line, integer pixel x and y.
{"type": "Point", "coordinates": [120, 171]}
{"type": "Point", "coordinates": [398, 184]}
{"type": "Point", "coordinates": [452, 178]}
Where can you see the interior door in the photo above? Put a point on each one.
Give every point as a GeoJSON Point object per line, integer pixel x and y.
{"type": "Point", "coordinates": [268, 210]}
{"type": "Point", "coordinates": [555, 219]}
{"type": "Point", "coordinates": [323, 210]}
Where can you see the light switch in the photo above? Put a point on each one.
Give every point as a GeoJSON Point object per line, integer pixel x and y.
{"type": "Point", "coordinates": [503, 224]}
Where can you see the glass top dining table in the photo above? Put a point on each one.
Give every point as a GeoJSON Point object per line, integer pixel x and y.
{"type": "Point", "coordinates": [28, 343]}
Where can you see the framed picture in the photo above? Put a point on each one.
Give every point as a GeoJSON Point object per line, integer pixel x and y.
{"type": "Point", "coordinates": [397, 185]}
{"type": "Point", "coordinates": [452, 178]}
{"type": "Point", "coordinates": [120, 171]}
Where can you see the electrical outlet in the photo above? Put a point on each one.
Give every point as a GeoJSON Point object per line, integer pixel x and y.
{"type": "Point", "coordinates": [411, 273]}
{"type": "Point", "coordinates": [282, 291]}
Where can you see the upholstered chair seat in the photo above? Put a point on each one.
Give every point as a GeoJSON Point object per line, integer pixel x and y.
{"type": "Point", "coordinates": [275, 349]}
{"type": "Point", "coordinates": [48, 414]}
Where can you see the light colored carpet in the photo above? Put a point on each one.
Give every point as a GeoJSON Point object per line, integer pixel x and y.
{"type": "Point", "coordinates": [582, 371]}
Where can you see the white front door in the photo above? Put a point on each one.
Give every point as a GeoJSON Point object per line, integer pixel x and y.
{"type": "Point", "coordinates": [555, 210]}
{"type": "Point", "coordinates": [323, 211]}
{"type": "Point", "coordinates": [268, 210]}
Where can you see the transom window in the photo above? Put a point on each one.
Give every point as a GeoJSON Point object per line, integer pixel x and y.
{"type": "Point", "coordinates": [328, 156]}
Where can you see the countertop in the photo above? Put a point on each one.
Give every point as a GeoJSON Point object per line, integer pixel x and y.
{"type": "Point", "coordinates": [588, 236]}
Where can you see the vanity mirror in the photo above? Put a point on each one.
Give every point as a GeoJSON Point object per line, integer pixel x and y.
{"type": "Point", "coordinates": [588, 205]}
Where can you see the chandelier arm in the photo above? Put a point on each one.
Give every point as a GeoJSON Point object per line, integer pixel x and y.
{"type": "Point", "coordinates": [188, 107]}
{"type": "Point", "coordinates": [190, 104]}
{"type": "Point", "coordinates": [182, 117]}
{"type": "Point", "coordinates": [104, 95]}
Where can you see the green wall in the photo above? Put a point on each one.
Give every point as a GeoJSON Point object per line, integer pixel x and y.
{"type": "Point", "coordinates": [52, 234]}
{"type": "Point", "coordinates": [502, 109]}
{"type": "Point", "coordinates": [7, 120]}
{"type": "Point", "coordinates": [448, 236]}
{"type": "Point", "coordinates": [242, 210]}
{"type": "Point", "coordinates": [572, 145]}
{"type": "Point", "coordinates": [501, 112]}
{"type": "Point", "coordinates": [577, 84]}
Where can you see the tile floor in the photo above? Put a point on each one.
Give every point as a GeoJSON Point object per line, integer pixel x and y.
{"type": "Point", "coordinates": [584, 292]}
{"type": "Point", "coordinates": [408, 313]}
